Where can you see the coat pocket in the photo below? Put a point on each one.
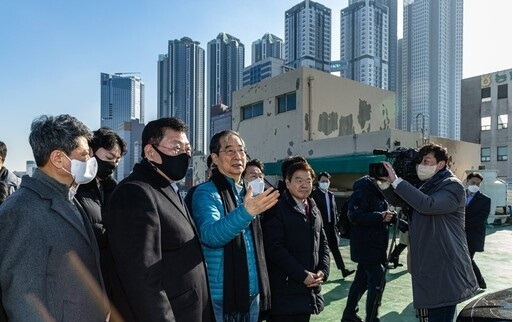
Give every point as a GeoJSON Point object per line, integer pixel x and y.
{"type": "Point", "coordinates": [183, 300]}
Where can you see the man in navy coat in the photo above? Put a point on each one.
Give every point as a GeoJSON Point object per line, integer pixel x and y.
{"type": "Point", "coordinates": [477, 208]}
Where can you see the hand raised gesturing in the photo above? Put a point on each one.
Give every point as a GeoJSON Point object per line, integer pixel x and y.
{"type": "Point", "coordinates": [262, 202]}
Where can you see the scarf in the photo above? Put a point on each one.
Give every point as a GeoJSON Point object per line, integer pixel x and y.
{"type": "Point", "coordinates": [236, 299]}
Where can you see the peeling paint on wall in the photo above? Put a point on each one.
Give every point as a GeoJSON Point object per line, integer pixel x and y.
{"type": "Point", "coordinates": [307, 122]}
{"type": "Point", "coordinates": [346, 125]}
{"type": "Point", "coordinates": [364, 113]}
{"type": "Point", "coordinates": [327, 123]}
{"type": "Point", "coordinates": [289, 152]}
{"type": "Point", "coordinates": [310, 152]}
{"type": "Point", "coordinates": [291, 143]}
{"type": "Point", "coordinates": [386, 118]}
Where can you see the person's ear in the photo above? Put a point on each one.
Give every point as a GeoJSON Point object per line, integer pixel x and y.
{"type": "Point", "coordinates": [215, 158]}
{"type": "Point", "coordinates": [149, 152]}
{"type": "Point", "coordinates": [440, 165]}
{"type": "Point", "coordinates": [57, 159]}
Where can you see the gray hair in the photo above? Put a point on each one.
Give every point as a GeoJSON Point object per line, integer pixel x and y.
{"type": "Point", "coordinates": [49, 133]}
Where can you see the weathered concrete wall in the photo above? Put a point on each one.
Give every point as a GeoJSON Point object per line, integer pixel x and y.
{"type": "Point", "coordinates": [344, 107]}
{"type": "Point", "coordinates": [327, 107]}
{"type": "Point", "coordinates": [347, 118]}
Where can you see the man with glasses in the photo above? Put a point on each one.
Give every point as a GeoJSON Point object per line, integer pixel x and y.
{"type": "Point", "coordinates": [226, 214]}
{"type": "Point", "coordinates": [154, 242]}
{"type": "Point", "coordinates": [296, 248]}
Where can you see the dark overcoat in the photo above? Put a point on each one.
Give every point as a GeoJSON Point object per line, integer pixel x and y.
{"type": "Point", "coordinates": [93, 200]}
{"type": "Point", "coordinates": [295, 244]}
{"type": "Point", "coordinates": [156, 251]}
{"type": "Point", "coordinates": [369, 234]}
{"type": "Point", "coordinates": [476, 216]}
{"type": "Point", "coordinates": [320, 200]}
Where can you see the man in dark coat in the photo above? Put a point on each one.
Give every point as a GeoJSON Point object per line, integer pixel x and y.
{"type": "Point", "coordinates": [476, 214]}
{"type": "Point", "coordinates": [152, 237]}
{"type": "Point", "coordinates": [6, 176]}
{"type": "Point", "coordinates": [107, 147]}
{"type": "Point", "coordinates": [46, 242]}
{"type": "Point", "coordinates": [296, 249]}
{"type": "Point", "coordinates": [325, 201]}
{"type": "Point", "coordinates": [369, 215]}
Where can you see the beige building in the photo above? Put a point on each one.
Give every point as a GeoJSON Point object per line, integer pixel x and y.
{"type": "Point", "coordinates": [334, 122]}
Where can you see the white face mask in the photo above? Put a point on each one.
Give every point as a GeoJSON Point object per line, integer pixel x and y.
{"type": "Point", "coordinates": [258, 186]}
{"type": "Point", "coordinates": [324, 185]}
{"type": "Point", "coordinates": [425, 171]}
{"type": "Point", "coordinates": [473, 188]}
{"type": "Point", "coordinates": [82, 171]}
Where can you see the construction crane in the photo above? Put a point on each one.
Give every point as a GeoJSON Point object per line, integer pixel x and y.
{"type": "Point", "coordinates": [126, 73]}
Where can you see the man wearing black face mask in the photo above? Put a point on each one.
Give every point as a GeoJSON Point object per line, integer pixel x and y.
{"type": "Point", "coordinates": [108, 148]}
{"type": "Point", "coordinates": [152, 237]}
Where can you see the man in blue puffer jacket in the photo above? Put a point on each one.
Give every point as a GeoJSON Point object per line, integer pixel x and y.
{"type": "Point", "coordinates": [226, 217]}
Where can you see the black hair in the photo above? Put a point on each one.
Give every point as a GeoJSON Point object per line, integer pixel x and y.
{"type": "Point", "coordinates": [155, 130]}
{"type": "Point", "coordinates": [288, 162]}
{"type": "Point", "coordinates": [49, 133]}
{"type": "Point", "coordinates": [299, 166]}
{"type": "Point", "coordinates": [3, 151]}
{"type": "Point", "coordinates": [475, 175]}
{"type": "Point", "coordinates": [106, 138]}
{"type": "Point", "coordinates": [439, 151]}
{"type": "Point", "coordinates": [323, 174]}
{"type": "Point", "coordinates": [215, 142]}
{"type": "Point", "coordinates": [256, 163]}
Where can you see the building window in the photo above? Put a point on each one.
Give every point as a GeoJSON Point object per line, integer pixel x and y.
{"type": "Point", "coordinates": [486, 95]}
{"type": "Point", "coordinates": [502, 153]}
{"type": "Point", "coordinates": [486, 123]}
{"type": "Point", "coordinates": [286, 102]}
{"type": "Point", "coordinates": [252, 110]}
{"type": "Point", "coordinates": [485, 154]}
{"type": "Point", "coordinates": [502, 91]}
{"type": "Point", "coordinates": [502, 121]}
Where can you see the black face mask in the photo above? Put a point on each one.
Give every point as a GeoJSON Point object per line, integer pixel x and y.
{"type": "Point", "coordinates": [105, 168]}
{"type": "Point", "coordinates": [173, 167]}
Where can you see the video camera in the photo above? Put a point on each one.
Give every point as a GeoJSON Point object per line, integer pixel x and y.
{"type": "Point", "coordinates": [404, 161]}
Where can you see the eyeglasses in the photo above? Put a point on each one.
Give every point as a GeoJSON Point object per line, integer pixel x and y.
{"type": "Point", "coordinates": [300, 181]}
{"type": "Point", "coordinates": [231, 151]}
{"type": "Point", "coordinates": [176, 150]}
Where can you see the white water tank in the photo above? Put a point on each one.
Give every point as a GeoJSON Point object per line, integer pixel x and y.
{"type": "Point", "coordinates": [497, 190]}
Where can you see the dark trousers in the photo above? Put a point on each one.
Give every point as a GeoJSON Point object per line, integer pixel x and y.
{"type": "Point", "coordinates": [331, 235]}
{"type": "Point", "coordinates": [477, 272]}
{"type": "Point", "coordinates": [367, 278]}
{"type": "Point", "coordinates": [290, 318]}
{"type": "Point", "coordinates": [442, 314]}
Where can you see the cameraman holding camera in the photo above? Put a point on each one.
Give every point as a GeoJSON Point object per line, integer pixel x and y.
{"type": "Point", "coordinates": [369, 216]}
{"type": "Point", "coordinates": [441, 269]}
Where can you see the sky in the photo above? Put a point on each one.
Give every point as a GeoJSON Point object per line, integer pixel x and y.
{"type": "Point", "coordinates": [52, 52]}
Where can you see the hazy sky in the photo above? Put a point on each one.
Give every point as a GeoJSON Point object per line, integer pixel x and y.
{"type": "Point", "coordinates": [52, 52]}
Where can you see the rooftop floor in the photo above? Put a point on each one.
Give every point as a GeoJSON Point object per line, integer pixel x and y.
{"type": "Point", "coordinates": [397, 304]}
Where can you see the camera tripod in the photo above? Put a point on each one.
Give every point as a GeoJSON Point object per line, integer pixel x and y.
{"type": "Point", "coordinates": [381, 289]}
